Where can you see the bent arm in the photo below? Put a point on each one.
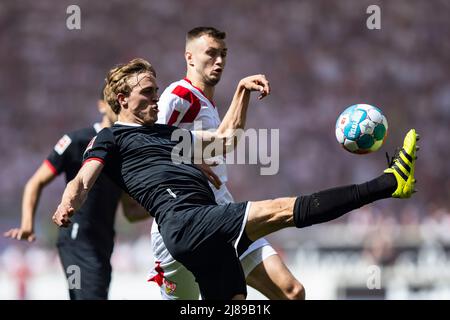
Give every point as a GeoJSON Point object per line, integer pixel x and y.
{"type": "Point", "coordinates": [225, 138]}
{"type": "Point", "coordinates": [31, 195]}
{"type": "Point", "coordinates": [76, 192]}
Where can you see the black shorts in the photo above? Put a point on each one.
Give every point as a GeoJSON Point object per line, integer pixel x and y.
{"type": "Point", "coordinates": [93, 267]}
{"type": "Point", "coordinates": [204, 239]}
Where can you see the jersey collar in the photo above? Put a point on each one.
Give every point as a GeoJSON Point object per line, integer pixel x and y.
{"type": "Point", "coordinates": [200, 90]}
{"type": "Point", "coordinates": [128, 124]}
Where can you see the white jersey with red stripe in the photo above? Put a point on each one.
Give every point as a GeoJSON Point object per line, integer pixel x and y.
{"type": "Point", "coordinates": [182, 104]}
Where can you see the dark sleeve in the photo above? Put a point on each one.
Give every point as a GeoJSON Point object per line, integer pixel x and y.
{"type": "Point", "coordinates": [57, 159]}
{"type": "Point", "coordinates": [102, 147]}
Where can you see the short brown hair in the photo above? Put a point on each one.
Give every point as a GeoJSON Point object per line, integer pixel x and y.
{"type": "Point", "coordinates": [200, 31]}
{"type": "Point", "coordinates": [117, 80]}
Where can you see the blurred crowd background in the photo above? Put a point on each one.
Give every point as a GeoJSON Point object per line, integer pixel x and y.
{"type": "Point", "coordinates": [319, 57]}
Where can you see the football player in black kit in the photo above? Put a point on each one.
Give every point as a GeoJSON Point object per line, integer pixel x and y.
{"type": "Point", "coordinates": [88, 243]}
{"type": "Point", "coordinates": [141, 157]}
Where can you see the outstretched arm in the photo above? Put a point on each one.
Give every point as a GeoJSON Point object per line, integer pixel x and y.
{"type": "Point", "coordinates": [31, 194]}
{"type": "Point", "coordinates": [226, 136]}
{"type": "Point", "coordinates": [76, 192]}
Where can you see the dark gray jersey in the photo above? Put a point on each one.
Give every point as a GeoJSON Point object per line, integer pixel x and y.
{"type": "Point", "coordinates": [139, 159]}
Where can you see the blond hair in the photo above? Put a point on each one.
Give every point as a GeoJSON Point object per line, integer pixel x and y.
{"type": "Point", "coordinates": [117, 80]}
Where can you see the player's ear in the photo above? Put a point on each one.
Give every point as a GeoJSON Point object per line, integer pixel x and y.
{"type": "Point", "coordinates": [188, 57]}
{"type": "Point", "coordinates": [123, 100]}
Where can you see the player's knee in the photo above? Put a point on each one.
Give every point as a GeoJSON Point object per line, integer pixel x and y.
{"type": "Point", "coordinates": [295, 291]}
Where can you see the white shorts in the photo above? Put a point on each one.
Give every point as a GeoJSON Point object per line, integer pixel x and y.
{"type": "Point", "coordinates": [178, 283]}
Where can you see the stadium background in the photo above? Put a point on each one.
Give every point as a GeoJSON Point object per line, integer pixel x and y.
{"type": "Point", "coordinates": [319, 57]}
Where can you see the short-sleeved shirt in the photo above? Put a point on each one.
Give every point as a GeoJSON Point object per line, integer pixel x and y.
{"type": "Point", "coordinates": [140, 160]}
{"type": "Point", "coordinates": [93, 225]}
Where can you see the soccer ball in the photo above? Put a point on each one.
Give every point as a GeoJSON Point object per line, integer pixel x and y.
{"type": "Point", "coordinates": [361, 128]}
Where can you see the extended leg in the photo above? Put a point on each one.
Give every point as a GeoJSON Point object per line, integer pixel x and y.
{"type": "Point", "coordinates": [268, 216]}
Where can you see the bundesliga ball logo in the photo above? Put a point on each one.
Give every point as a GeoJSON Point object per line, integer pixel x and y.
{"type": "Point", "coordinates": [361, 128]}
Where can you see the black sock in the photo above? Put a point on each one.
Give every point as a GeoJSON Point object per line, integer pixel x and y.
{"type": "Point", "coordinates": [379, 188]}
{"type": "Point", "coordinates": [330, 204]}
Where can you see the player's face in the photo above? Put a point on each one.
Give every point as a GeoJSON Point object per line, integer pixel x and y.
{"type": "Point", "coordinates": [209, 58]}
{"type": "Point", "coordinates": [142, 101]}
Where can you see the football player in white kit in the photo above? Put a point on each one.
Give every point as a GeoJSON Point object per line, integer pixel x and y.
{"type": "Point", "coordinates": [181, 104]}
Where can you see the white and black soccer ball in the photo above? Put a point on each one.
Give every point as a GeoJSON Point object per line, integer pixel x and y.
{"type": "Point", "coordinates": [361, 128]}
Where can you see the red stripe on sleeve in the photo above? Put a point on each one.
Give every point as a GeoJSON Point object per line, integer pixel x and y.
{"type": "Point", "coordinates": [93, 159]}
{"type": "Point", "coordinates": [173, 117]}
{"type": "Point", "coordinates": [51, 167]}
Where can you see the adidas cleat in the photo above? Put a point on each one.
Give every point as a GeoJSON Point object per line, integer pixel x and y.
{"type": "Point", "coordinates": [402, 166]}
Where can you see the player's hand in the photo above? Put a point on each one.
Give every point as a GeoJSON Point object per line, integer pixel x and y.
{"type": "Point", "coordinates": [257, 83]}
{"type": "Point", "coordinates": [212, 177]}
{"type": "Point", "coordinates": [20, 234]}
{"type": "Point", "coordinates": [62, 215]}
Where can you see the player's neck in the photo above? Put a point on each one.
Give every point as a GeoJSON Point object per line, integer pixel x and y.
{"type": "Point", "coordinates": [206, 89]}
{"type": "Point", "coordinates": [105, 122]}
{"type": "Point", "coordinates": [132, 120]}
